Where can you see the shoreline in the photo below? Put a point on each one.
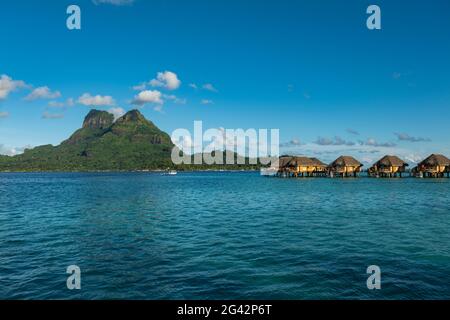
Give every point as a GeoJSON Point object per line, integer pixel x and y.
{"type": "Point", "coordinates": [131, 171]}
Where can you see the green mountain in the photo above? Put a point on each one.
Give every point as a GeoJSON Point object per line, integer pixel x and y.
{"type": "Point", "coordinates": [130, 143]}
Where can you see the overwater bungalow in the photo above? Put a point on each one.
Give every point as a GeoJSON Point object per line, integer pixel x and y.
{"type": "Point", "coordinates": [344, 166]}
{"type": "Point", "coordinates": [306, 167]}
{"type": "Point", "coordinates": [283, 170]}
{"type": "Point", "coordinates": [293, 166]}
{"type": "Point", "coordinates": [388, 166]}
{"type": "Point", "coordinates": [435, 166]}
{"type": "Point", "coordinates": [320, 168]}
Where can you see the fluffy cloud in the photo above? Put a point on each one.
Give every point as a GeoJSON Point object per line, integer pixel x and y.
{"type": "Point", "coordinates": [166, 79]}
{"type": "Point", "coordinates": [8, 151]}
{"type": "Point", "coordinates": [43, 93]}
{"type": "Point", "coordinates": [7, 85]}
{"type": "Point", "coordinates": [148, 96]}
{"type": "Point", "coordinates": [407, 137]}
{"type": "Point", "coordinates": [98, 100]}
{"type": "Point", "coordinates": [117, 112]}
{"type": "Point", "coordinates": [4, 114]}
{"type": "Point", "coordinates": [114, 2]}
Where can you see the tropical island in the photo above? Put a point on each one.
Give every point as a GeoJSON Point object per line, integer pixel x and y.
{"type": "Point", "coordinates": [131, 143]}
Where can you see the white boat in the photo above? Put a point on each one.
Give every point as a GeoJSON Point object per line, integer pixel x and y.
{"type": "Point", "coordinates": [172, 173]}
{"type": "Point", "coordinates": [269, 172]}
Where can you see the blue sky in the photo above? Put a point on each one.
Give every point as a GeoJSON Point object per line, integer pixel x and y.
{"type": "Point", "coordinates": [310, 68]}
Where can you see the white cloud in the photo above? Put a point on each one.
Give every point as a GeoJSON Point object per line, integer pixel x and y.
{"type": "Point", "coordinates": [70, 102]}
{"type": "Point", "coordinates": [117, 112]}
{"type": "Point", "coordinates": [61, 104]}
{"type": "Point", "coordinates": [114, 2]}
{"type": "Point", "coordinates": [193, 86]}
{"type": "Point", "coordinates": [11, 151]}
{"type": "Point", "coordinates": [148, 96]}
{"type": "Point", "coordinates": [292, 143]}
{"type": "Point", "coordinates": [98, 100]}
{"type": "Point", "coordinates": [209, 87]}
{"type": "Point", "coordinates": [166, 79]}
{"type": "Point", "coordinates": [206, 101]}
{"type": "Point", "coordinates": [48, 115]}
{"type": "Point", "coordinates": [336, 141]}
{"type": "Point", "coordinates": [407, 137]}
{"type": "Point", "coordinates": [7, 151]}
{"type": "Point", "coordinates": [4, 114]}
{"type": "Point", "coordinates": [158, 108]}
{"type": "Point", "coordinates": [175, 99]}
{"type": "Point", "coordinates": [140, 87]}
{"type": "Point", "coordinates": [7, 85]}
{"type": "Point", "coordinates": [43, 93]}
{"type": "Point", "coordinates": [374, 143]}
{"type": "Point", "coordinates": [56, 104]}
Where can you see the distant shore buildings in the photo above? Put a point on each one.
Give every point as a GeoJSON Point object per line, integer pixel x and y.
{"type": "Point", "coordinates": [389, 166]}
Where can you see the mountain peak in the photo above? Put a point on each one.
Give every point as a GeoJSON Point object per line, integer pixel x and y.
{"type": "Point", "coordinates": [97, 119]}
{"type": "Point", "coordinates": [132, 116]}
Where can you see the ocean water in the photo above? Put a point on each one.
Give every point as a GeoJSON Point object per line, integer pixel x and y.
{"type": "Point", "coordinates": [222, 236]}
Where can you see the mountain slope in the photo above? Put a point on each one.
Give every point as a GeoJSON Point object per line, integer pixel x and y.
{"type": "Point", "coordinates": [130, 143]}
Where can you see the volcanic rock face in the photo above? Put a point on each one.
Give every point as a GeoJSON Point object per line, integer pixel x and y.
{"type": "Point", "coordinates": [130, 143]}
{"type": "Point", "coordinates": [132, 116]}
{"type": "Point", "coordinates": [98, 120]}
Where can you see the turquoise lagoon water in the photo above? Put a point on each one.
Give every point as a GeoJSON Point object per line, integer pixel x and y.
{"type": "Point", "coordinates": [222, 236]}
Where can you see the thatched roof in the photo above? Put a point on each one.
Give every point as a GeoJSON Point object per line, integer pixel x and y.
{"type": "Point", "coordinates": [300, 161]}
{"type": "Point", "coordinates": [317, 162]}
{"type": "Point", "coordinates": [296, 161]}
{"type": "Point", "coordinates": [346, 161]}
{"type": "Point", "coordinates": [284, 160]}
{"type": "Point", "coordinates": [435, 160]}
{"type": "Point", "coordinates": [390, 161]}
